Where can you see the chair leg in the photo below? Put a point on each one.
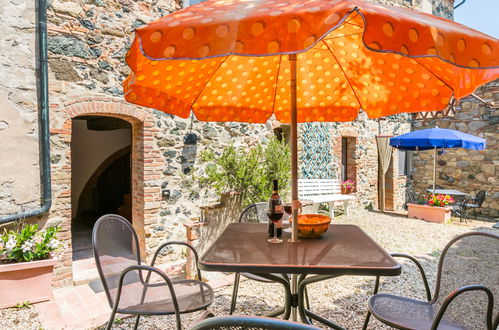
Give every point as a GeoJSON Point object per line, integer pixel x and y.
{"type": "Point", "coordinates": [111, 319]}
{"type": "Point", "coordinates": [234, 293]}
{"type": "Point", "coordinates": [307, 301]}
{"type": "Point", "coordinates": [137, 319]}
{"type": "Point", "coordinates": [364, 327]}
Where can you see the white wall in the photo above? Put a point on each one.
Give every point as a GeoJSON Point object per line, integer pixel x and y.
{"type": "Point", "coordinates": [88, 150]}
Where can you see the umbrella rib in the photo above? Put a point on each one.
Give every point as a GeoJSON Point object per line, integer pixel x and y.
{"type": "Point", "coordinates": [343, 36]}
{"type": "Point", "coordinates": [276, 83]}
{"type": "Point", "coordinates": [204, 85]}
{"type": "Point", "coordinates": [344, 73]}
{"type": "Point", "coordinates": [433, 73]}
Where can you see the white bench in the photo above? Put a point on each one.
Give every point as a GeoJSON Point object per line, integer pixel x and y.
{"type": "Point", "coordinates": [323, 191]}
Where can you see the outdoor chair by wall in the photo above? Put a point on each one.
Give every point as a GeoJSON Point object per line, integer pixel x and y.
{"type": "Point", "coordinates": [466, 288]}
{"type": "Point", "coordinates": [255, 213]}
{"type": "Point", "coordinates": [477, 201]}
{"type": "Point", "coordinates": [249, 322]}
{"type": "Point", "coordinates": [134, 288]}
{"type": "Point", "coordinates": [461, 209]}
{"type": "Point", "coordinates": [412, 197]}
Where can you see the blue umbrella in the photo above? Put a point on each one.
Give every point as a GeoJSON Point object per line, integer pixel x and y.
{"type": "Point", "coordinates": [437, 138]}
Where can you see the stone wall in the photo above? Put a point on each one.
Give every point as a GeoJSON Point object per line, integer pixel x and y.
{"type": "Point", "coordinates": [19, 171]}
{"type": "Point", "coordinates": [462, 169]}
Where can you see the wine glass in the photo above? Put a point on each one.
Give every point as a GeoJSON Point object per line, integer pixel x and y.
{"type": "Point", "coordinates": [275, 217]}
{"type": "Point", "coordinates": [289, 210]}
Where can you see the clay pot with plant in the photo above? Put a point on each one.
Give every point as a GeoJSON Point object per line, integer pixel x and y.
{"type": "Point", "coordinates": [347, 186]}
{"type": "Point", "coordinates": [26, 264]}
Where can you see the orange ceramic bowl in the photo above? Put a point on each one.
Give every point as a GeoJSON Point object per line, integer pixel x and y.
{"type": "Point", "coordinates": [312, 225]}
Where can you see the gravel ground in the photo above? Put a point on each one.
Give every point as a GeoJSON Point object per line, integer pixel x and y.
{"type": "Point", "coordinates": [342, 300]}
{"type": "Point", "coordinates": [19, 318]}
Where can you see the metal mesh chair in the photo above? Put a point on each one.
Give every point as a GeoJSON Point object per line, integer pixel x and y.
{"type": "Point", "coordinates": [255, 213]}
{"type": "Point", "coordinates": [461, 209]}
{"type": "Point", "coordinates": [412, 197]}
{"type": "Point", "coordinates": [246, 322]}
{"type": "Point", "coordinates": [477, 201]}
{"type": "Point", "coordinates": [134, 288]}
{"type": "Point", "coordinates": [467, 282]}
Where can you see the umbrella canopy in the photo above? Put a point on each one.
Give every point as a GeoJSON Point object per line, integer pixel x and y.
{"type": "Point", "coordinates": [227, 60]}
{"type": "Point", "coordinates": [437, 138]}
{"type": "Point", "coordinates": [303, 61]}
{"type": "Point", "coordinates": [432, 138]}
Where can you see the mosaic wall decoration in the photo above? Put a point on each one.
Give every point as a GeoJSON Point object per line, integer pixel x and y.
{"type": "Point", "coordinates": [316, 155]}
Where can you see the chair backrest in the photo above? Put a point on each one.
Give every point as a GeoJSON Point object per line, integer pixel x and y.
{"type": "Point", "coordinates": [480, 197]}
{"type": "Point", "coordinates": [255, 213]}
{"type": "Point", "coordinates": [411, 196]}
{"type": "Point", "coordinates": [116, 247]}
{"type": "Point", "coordinates": [469, 259]}
{"type": "Point", "coordinates": [249, 322]}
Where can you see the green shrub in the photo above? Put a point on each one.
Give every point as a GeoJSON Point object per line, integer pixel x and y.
{"type": "Point", "coordinates": [249, 171]}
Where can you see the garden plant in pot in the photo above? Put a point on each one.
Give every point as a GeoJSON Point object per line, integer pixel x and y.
{"type": "Point", "coordinates": [26, 264]}
{"type": "Point", "coordinates": [347, 186]}
{"type": "Point", "coordinates": [434, 208]}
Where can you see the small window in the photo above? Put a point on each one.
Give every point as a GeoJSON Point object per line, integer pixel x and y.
{"type": "Point", "coordinates": [404, 162]}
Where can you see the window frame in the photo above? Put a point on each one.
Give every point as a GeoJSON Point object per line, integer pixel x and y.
{"type": "Point", "coordinates": [406, 171]}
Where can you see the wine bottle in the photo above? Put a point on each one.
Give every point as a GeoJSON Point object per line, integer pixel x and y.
{"type": "Point", "coordinates": [275, 211]}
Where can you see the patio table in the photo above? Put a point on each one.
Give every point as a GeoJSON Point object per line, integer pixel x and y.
{"type": "Point", "coordinates": [451, 192]}
{"type": "Point", "coordinates": [342, 250]}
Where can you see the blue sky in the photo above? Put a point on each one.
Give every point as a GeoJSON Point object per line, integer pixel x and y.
{"type": "Point", "coordinates": [481, 15]}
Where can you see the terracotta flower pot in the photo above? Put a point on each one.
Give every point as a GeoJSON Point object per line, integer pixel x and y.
{"type": "Point", "coordinates": [429, 213]}
{"type": "Point", "coordinates": [26, 281]}
{"type": "Point", "coordinates": [346, 191]}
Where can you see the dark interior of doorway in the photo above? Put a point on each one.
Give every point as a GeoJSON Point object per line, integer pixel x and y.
{"type": "Point", "coordinates": [108, 189]}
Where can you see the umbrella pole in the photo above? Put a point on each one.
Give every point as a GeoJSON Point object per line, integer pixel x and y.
{"type": "Point", "coordinates": [294, 150]}
{"type": "Point", "coordinates": [294, 173]}
{"type": "Point", "coordinates": [434, 168]}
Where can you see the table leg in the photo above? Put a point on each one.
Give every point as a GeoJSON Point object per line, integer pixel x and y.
{"type": "Point", "coordinates": [294, 290]}
{"type": "Point", "coordinates": [331, 209]}
{"type": "Point", "coordinates": [345, 207]}
{"type": "Point", "coordinates": [288, 296]}
{"type": "Point", "coordinates": [306, 314]}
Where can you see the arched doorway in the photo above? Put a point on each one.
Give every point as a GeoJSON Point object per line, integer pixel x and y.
{"type": "Point", "coordinates": [100, 176]}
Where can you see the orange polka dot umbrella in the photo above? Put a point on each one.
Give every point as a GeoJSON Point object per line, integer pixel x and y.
{"type": "Point", "coordinates": [303, 61]}
{"type": "Point", "coordinates": [227, 60]}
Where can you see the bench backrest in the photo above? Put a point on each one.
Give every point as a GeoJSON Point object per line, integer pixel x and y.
{"type": "Point", "coordinates": [318, 187]}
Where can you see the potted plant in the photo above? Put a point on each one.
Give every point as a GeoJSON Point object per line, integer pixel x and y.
{"type": "Point", "coordinates": [434, 208]}
{"type": "Point", "coordinates": [26, 264]}
{"type": "Point", "coordinates": [347, 186]}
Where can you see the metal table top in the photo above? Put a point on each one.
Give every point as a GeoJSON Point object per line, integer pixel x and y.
{"type": "Point", "coordinates": [342, 250]}
{"type": "Point", "coordinates": [451, 192]}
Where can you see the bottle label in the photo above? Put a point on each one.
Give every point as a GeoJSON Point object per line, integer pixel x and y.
{"type": "Point", "coordinates": [278, 208]}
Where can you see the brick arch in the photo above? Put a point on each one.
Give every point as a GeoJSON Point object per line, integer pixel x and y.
{"type": "Point", "coordinates": [107, 107]}
{"type": "Point", "coordinates": [141, 122]}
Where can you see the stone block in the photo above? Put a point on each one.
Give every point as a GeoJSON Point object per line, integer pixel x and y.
{"type": "Point", "coordinates": [69, 8]}
{"type": "Point", "coordinates": [463, 164]}
{"type": "Point", "coordinates": [476, 125]}
{"type": "Point", "coordinates": [488, 168]}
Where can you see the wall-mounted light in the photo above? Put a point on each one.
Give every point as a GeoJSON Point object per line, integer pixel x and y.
{"type": "Point", "coordinates": [165, 193]}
